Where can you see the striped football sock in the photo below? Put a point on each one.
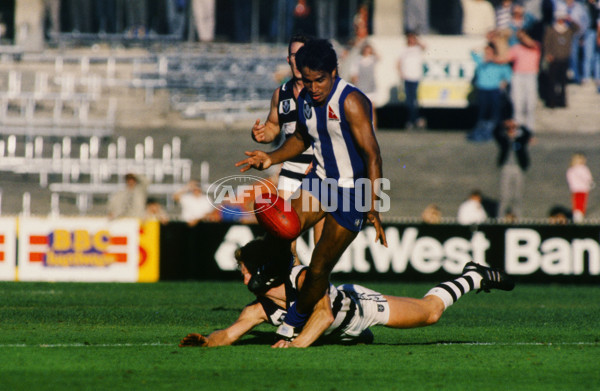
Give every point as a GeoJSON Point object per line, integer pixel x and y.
{"type": "Point", "coordinates": [450, 291]}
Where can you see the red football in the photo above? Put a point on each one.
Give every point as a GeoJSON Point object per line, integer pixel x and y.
{"type": "Point", "coordinates": [277, 216]}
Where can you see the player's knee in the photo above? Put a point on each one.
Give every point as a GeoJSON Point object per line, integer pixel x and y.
{"type": "Point", "coordinates": [434, 317]}
{"type": "Point", "coordinates": [435, 313]}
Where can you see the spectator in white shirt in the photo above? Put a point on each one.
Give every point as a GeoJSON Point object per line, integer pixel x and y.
{"type": "Point", "coordinates": [195, 205]}
{"type": "Point", "coordinates": [471, 211]}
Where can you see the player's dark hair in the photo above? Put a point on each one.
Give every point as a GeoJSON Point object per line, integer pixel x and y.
{"type": "Point", "coordinates": [262, 251]}
{"type": "Point", "coordinates": [268, 260]}
{"type": "Point", "coordinates": [297, 38]}
{"type": "Point", "coordinates": [317, 55]}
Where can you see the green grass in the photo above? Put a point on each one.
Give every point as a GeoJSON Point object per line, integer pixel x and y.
{"type": "Point", "coordinates": [57, 336]}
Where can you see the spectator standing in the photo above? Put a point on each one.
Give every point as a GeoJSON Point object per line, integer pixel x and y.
{"type": "Point", "coordinates": [491, 81]}
{"type": "Point", "coordinates": [176, 14]}
{"type": "Point", "coordinates": [535, 9]}
{"type": "Point", "coordinates": [520, 20]}
{"type": "Point", "coordinates": [282, 20]}
{"type": "Point", "coordinates": [503, 14]}
{"type": "Point", "coordinates": [52, 15]}
{"type": "Point", "coordinates": [360, 23]}
{"type": "Point", "coordinates": [106, 16]}
{"type": "Point", "coordinates": [557, 50]}
{"type": "Point", "coordinates": [195, 205]}
{"type": "Point", "coordinates": [204, 19]}
{"type": "Point", "coordinates": [525, 57]}
{"type": "Point", "coordinates": [131, 201]}
{"type": "Point", "coordinates": [580, 181]}
{"type": "Point", "coordinates": [410, 68]}
{"type": "Point", "coordinates": [579, 15]}
{"type": "Point", "coordinates": [513, 160]}
{"type": "Point", "coordinates": [471, 211]}
{"type": "Point", "coordinates": [416, 16]}
{"type": "Point", "coordinates": [362, 75]}
{"type": "Point", "coordinates": [591, 44]}
{"type": "Point", "coordinates": [503, 17]}
{"type": "Point", "coordinates": [241, 16]}
{"type": "Point", "coordinates": [81, 15]}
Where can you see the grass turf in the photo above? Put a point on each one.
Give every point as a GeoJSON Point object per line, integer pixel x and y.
{"type": "Point", "coordinates": [124, 336]}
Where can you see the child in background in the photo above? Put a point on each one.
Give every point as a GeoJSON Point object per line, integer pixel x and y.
{"type": "Point", "coordinates": [580, 181]}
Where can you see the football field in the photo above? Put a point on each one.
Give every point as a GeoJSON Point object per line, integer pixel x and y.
{"type": "Point", "coordinates": [75, 336]}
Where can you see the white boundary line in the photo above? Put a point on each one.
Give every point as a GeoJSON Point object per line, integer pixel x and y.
{"type": "Point", "coordinates": [118, 345]}
{"type": "Point", "coordinates": [85, 345]}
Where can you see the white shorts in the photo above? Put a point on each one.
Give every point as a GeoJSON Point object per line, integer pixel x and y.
{"type": "Point", "coordinates": [374, 308]}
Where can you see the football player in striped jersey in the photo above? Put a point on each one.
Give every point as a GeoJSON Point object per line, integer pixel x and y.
{"type": "Point", "coordinates": [346, 312]}
{"type": "Point", "coordinates": [343, 187]}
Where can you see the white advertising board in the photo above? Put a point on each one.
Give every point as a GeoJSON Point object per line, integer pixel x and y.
{"type": "Point", "coordinates": [78, 249]}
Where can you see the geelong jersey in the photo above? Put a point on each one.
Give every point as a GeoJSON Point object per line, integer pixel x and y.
{"type": "Point", "coordinates": [336, 153]}
{"type": "Point", "coordinates": [344, 305]}
{"type": "Point", "coordinates": [287, 111]}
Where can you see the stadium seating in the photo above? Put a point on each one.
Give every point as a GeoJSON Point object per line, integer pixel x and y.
{"type": "Point", "coordinates": [88, 175]}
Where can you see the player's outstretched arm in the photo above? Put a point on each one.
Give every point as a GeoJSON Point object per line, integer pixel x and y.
{"type": "Point", "coordinates": [259, 160]}
{"type": "Point", "coordinates": [358, 114]}
{"type": "Point", "coordinates": [251, 316]}
{"type": "Point", "coordinates": [267, 132]}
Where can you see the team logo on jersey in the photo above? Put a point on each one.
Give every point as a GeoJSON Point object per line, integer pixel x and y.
{"type": "Point", "coordinates": [307, 110]}
{"type": "Point", "coordinates": [286, 106]}
{"type": "Point", "coordinates": [331, 115]}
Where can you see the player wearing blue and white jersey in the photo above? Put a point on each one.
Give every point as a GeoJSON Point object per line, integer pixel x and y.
{"type": "Point", "coordinates": [346, 312]}
{"type": "Point", "coordinates": [336, 152]}
{"type": "Point", "coordinates": [335, 119]}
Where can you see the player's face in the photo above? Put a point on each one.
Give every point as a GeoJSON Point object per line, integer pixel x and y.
{"type": "Point", "coordinates": [318, 83]}
{"type": "Point", "coordinates": [295, 46]}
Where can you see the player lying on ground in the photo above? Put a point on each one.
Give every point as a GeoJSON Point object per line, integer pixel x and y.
{"type": "Point", "coordinates": [345, 313]}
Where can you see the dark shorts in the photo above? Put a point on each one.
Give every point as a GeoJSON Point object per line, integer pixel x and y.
{"type": "Point", "coordinates": [340, 202]}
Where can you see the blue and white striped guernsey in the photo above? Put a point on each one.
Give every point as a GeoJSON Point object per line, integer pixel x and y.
{"type": "Point", "coordinates": [336, 153]}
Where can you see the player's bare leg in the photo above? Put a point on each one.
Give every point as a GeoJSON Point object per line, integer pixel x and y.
{"type": "Point", "coordinates": [406, 312]}
{"type": "Point", "coordinates": [308, 209]}
{"type": "Point", "coordinates": [333, 242]}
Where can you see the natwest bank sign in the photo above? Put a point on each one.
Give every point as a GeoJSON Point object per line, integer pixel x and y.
{"type": "Point", "coordinates": [541, 253]}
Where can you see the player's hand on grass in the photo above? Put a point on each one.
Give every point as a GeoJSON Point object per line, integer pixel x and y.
{"type": "Point", "coordinates": [373, 218]}
{"type": "Point", "coordinates": [282, 343]}
{"type": "Point", "coordinates": [194, 339]}
{"type": "Point", "coordinates": [256, 159]}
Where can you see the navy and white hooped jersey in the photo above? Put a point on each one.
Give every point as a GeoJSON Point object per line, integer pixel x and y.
{"type": "Point", "coordinates": [287, 112]}
{"type": "Point", "coordinates": [345, 306]}
{"type": "Point", "coordinates": [336, 153]}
